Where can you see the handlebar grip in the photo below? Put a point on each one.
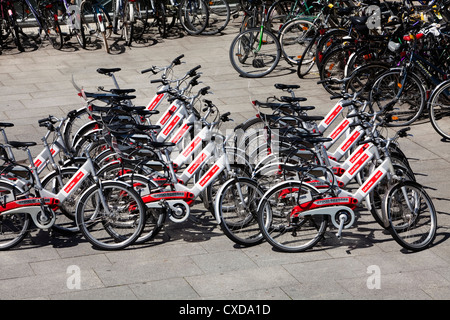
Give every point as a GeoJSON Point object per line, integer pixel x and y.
{"type": "Point", "coordinates": [192, 71]}
{"type": "Point", "coordinates": [177, 61]}
{"type": "Point", "coordinates": [338, 96]}
{"type": "Point", "coordinates": [204, 90]}
{"type": "Point", "coordinates": [148, 70]}
{"type": "Point", "coordinates": [48, 119]}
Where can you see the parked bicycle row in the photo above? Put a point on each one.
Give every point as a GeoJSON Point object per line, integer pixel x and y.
{"type": "Point", "coordinates": [403, 62]}
{"type": "Point", "coordinates": [26, 26]}
{"type": "Point", "coordinates": [125, 170]}
{"type": "Point", "coordinates": [303, 32]}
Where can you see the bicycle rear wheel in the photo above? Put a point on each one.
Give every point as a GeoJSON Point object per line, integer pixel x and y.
{"type": "Point", "coordinates": [255, 53]}
{"type": "Point", "coordinates": [236, 204]}
{"type": "Point", "coordinates": [111, 217]}
{"type": "Point", "coordinates": [52, 29]}
{"type": "Point", "coordinates": [411, 215]}
{"type": "Point", "coordinates": [14, 227]}
{"type": "Point", "coordinates": [362, 78]}
{"type": "Point", "coordinates": [281, 226]}
{"type": "Point", "coordinates": [194, 16]}
{"type": "Point", "coordinates": [439, 110]}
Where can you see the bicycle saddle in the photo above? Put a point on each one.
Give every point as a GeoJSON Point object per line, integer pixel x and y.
{"type": "Point", "coordinates": [122, 91]}
{"type": "Point", "coordinates": [292, 99]}
{"type": "Point", "coordinates": [107, 70]}
{"type": "Point", "coordinates": [18, 144]}
{"type": "Point", "coordinates": [286, 86]}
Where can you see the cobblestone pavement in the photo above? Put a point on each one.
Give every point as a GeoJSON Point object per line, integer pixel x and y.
{"type": "Point", "coordinates": [195, 260]}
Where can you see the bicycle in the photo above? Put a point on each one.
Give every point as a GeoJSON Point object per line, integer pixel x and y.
{"type": "Point", "coordinates": [37, 24]}
{"type": "Point", "coordinates": [71, 16]}
{"type": "Point", "coordinates": [98, 214]}
{"type": "Point", "coordinates": [101, 19]}
{"type": "Point", "coordinates": [293, 216]}
{"type": "Point", "coordinates": [123, 19]}
{"type": "Point", "coordinates": [403, 88]}
{"type": "Point", "coordinates": [168, 194]}
{"type": "Point", "coordinates": [9, 24]}
{"type": "Point", "coordinates": [255, 52]}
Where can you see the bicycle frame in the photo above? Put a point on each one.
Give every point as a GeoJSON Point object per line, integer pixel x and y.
{"type": "Point", "coordinates": [35, 206]}
{"type": "Point", "coordinates": [183, 196]}
{"type": "Point", "coordinates": [344, 202]}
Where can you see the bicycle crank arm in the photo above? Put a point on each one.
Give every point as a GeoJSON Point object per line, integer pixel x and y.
{"type": "Point", "coordinates": [335, 213]}
{"type": "Point", "coordinates": [179, 210]}
{"type": "Point", "coordinates": [40, 219]}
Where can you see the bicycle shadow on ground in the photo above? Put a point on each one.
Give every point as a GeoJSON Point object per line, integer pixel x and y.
{"type": "Point", "coordinates": [42, 238]}
{"type": "Point", "coordinates": [199, 227]}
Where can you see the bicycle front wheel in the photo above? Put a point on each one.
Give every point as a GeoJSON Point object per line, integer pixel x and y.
{"type": "Point", "coordinates": [408, 96]}
{"type": "Point", "coordinates": [295, 37]}
{"type": "Point", "coordinates": [255, 53]}
{"type": "Point", "coordinates": [280, 223]}
{"type": "Point", "coordinates": [439, 110]}
{"type": "Point", "coordinates": [411, 214]}
{"type": "Point", "coordinates": [236, 204]}
{"type": "Point", "coordinates": [112, 216]}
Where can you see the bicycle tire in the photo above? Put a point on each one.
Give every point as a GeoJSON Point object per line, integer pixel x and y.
{"type": "Point", "coordinates": [111, 230]}
{"type": "Point", "coordinates": [16, 36]}
{"type": "Point", "coordinates": [307, 59]}
{"type": "Point", "coordinates": [155, 217]}
{"type": "Point", "coordinates": [438, 110]}
{"type": "Point", "coordinates": [65, 216]}
{"type": "Point", "coordinates": [251, 61]}
{"type": "Point", "coordinates": [219, 16]}
{"type": "Point", "coordinates": [410, 103]}
{"type": "Point", "coordinates": [376, 196]}
{"type": "Point", "coordinates": [333, 66]}
{"type": "Point", "coordinates": [237, 220]}
{"type": "Point", "coordinates": [80, 33]}
{"type": "Point", "coordinates": [101, 26]}
{"type": "Point", "coordinates": [412, 221]}
{"type": "Point", "coordinates": [14, 226]}
{"type": "Point", "coordinates": [328, 41]}
{"type": "Point", "coordinates": [141, 16]}
{"type": "Point", "coordinates": [283, 231]}
{"type": "Point", "coordinates": [193, 16]}
{"type": "Point", "coordinates": [52, 29]}
{"type": "Point", "coordinates": [282, 11]}
{"type": "Point", "coordinates": [362, 78]}
{"type": "Point", "coordinates": [294, 37]}
{"type": "Point", "coordinates": [161, 19]}
{"type": "Point", "coordinates": [128, 24]}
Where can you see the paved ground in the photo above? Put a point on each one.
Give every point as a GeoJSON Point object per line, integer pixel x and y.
{"type": "Point", "coordinates": [195, 260]}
